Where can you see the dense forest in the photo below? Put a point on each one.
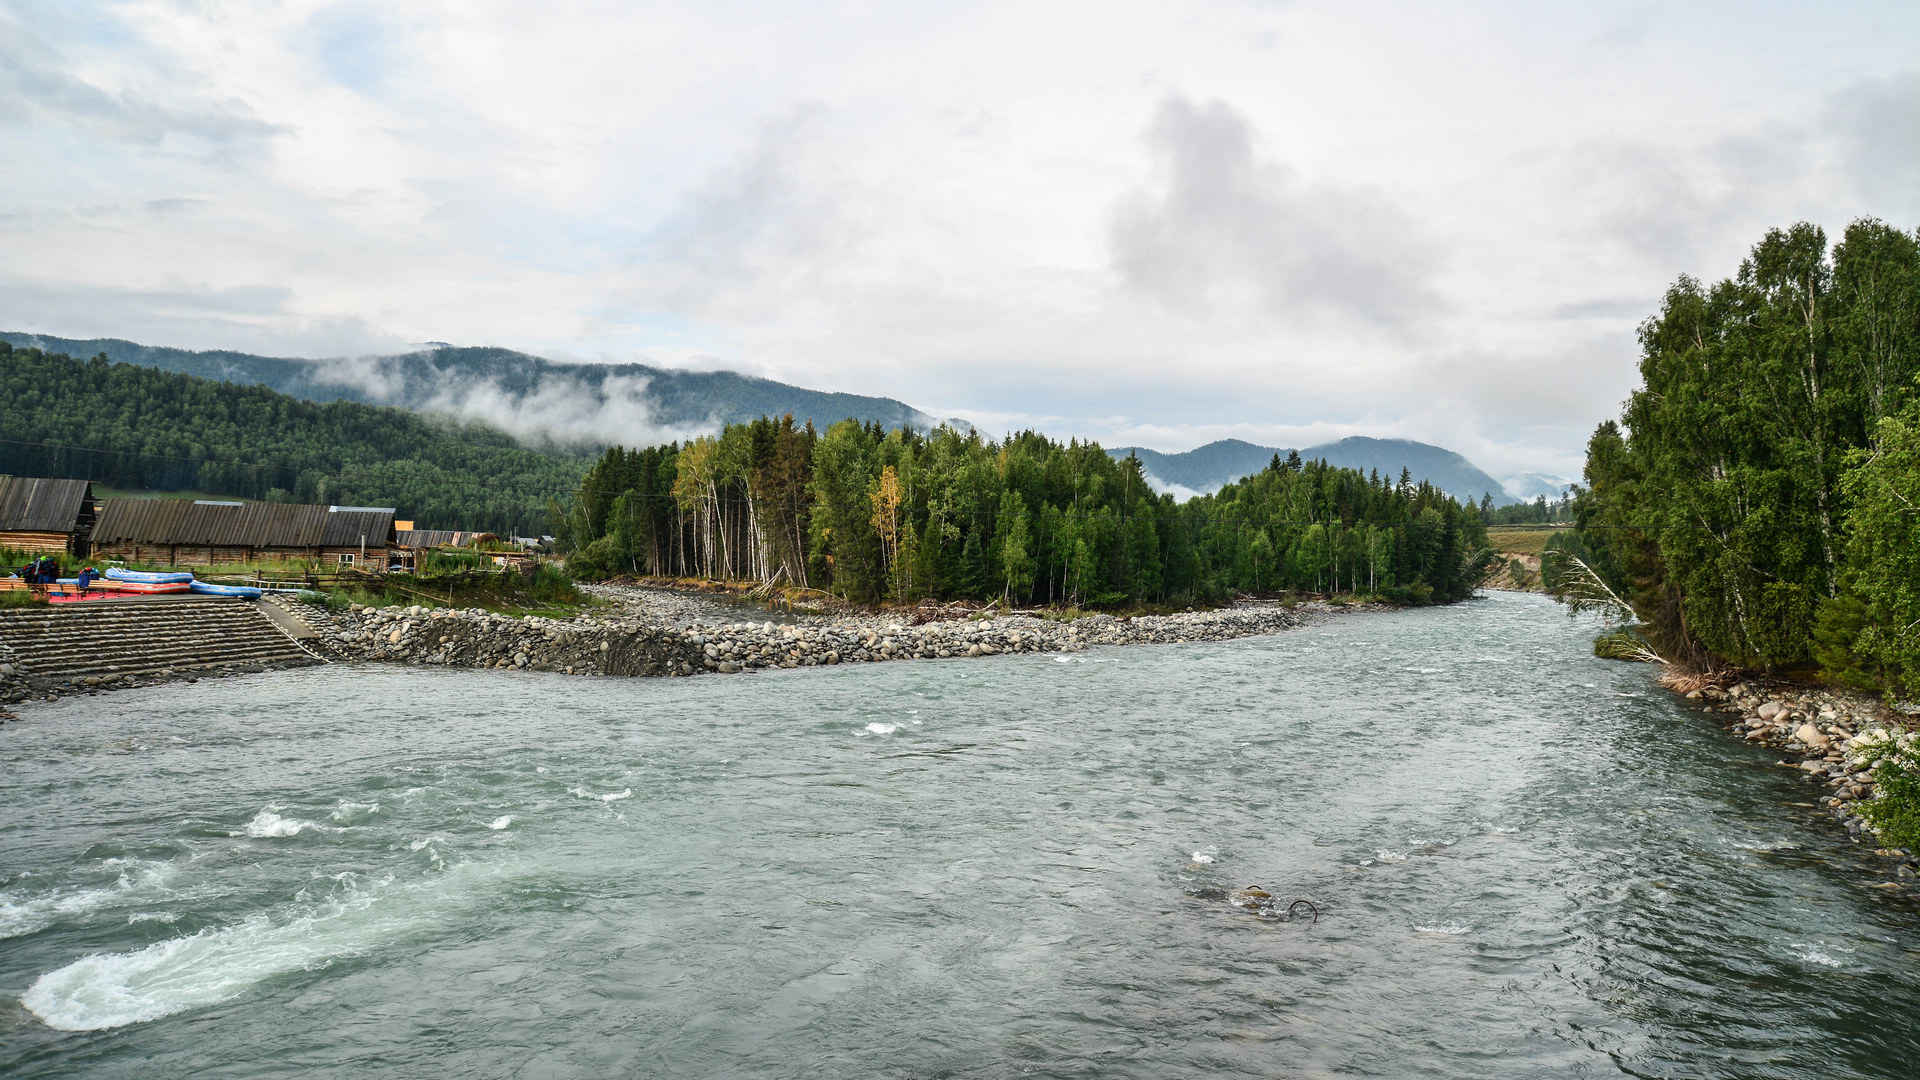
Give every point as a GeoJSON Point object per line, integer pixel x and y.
{"type": "Point", "coordinates": [900, 515]}
{"type": "Point", "coordinates": [1759, 503]}
{"type": "Point", "coordinates": [138, 427]}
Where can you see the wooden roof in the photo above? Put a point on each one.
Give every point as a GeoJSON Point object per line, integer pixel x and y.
{"type": "Point", "coordinates": [426, 538]}
{"type": "Point", "coordinates": [36, 504]}
{"type": "Point", "coordinates": [210, 523]}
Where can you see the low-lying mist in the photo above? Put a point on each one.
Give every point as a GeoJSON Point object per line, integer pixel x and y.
{"type": "Point", "coordinates": [561, 409]}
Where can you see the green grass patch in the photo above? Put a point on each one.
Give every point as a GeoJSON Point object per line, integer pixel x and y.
{"type": "Point", "coordinates": [1521, 541]}
{"type": "Point", "coordinates": [546, 591]}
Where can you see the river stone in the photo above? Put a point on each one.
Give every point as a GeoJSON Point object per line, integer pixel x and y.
{"type": "Point", "coordinates": [1253, 896]}
{"type": "Point", "coordinates": [1811, 736]}
{"type": "Point", "coordinates": [1770, 710]}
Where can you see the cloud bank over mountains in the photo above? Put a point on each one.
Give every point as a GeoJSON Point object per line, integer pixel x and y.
{"type": "Point", "coordinates": [1284, 223]}
{"type": "Point", "coordinates": [559, 409]}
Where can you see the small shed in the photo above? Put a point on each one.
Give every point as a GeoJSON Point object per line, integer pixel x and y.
{"type": "Point", "coordinates": [441, 538]}
{"type": "Point", "coordinates": [212, 532]}
{"type": "Point", "coordinates": [46, 516]}
{"type": "Point", "coordinates": [410, 542]}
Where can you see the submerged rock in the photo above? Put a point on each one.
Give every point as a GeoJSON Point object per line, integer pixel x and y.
{"type": "Point", "coordinates": [1253, 896]}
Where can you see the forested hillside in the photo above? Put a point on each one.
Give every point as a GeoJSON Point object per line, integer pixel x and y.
{"type": "Point", "coordinates": [529, 396]}
{"type": "Point", "coordinates": [1759, 503]}
{"type": "Point", "coordinates": [901, 515]}
{"type": "Point", "coordinates": [137, 427]}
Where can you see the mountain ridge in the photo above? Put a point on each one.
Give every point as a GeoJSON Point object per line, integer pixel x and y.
{"type": "Point", "coordinates": [526, 395]}
{"type": "Point", "coordinates": [1206, 468]}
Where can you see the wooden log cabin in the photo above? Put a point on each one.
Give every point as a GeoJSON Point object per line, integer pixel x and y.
{"type": "Point", "coordinates": [215, 532]}
{"type": "Point", "coordinates": [45, 516]}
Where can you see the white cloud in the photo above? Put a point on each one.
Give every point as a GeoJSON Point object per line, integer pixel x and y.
{"type": "Point", "coordinates": [1180, 492]}
{"type": "Point", "coordinates": [1225, 227]}
{"type": "Point", "coordinates": [1285, 223]}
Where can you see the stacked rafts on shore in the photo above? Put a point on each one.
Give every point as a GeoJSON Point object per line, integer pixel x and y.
{"type": "Point", "coordinates": [171, 581]}
{"type": "Point", "coordinates": [116, 583]}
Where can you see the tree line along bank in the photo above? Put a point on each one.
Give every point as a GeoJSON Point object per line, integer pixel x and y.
{"type": "Point", "coordinates": [1758, 502]}
{"type": "Point", "coordinates": [871, 514]}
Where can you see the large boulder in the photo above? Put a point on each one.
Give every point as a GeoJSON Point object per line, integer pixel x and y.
{"type": "Point", "coordinates": [1811, 736]}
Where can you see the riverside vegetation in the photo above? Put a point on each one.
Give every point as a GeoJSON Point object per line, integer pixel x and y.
{"type": "Point", "coordinates": [1758, 505]}
{"type": "Point", "coordinates": [873, 515]}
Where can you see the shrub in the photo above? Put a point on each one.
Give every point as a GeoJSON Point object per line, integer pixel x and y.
{"type": "Point", "coordinates": [597, 561]}
{"type": "Point", "coordinates": [1894, 811]}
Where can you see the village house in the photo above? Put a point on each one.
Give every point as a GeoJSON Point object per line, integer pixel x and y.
{"type": "Point", "coordinates": [440, 538]}
{"type": "Point", "coordinates": [46, 516]}
{"type": "Point", "coordinates": [212, 532]}
{"type": "Point", "coordinates": [410, 542]}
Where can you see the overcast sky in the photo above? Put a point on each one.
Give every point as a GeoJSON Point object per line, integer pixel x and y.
{"type": "Point", "coordinates": [1160, 224]}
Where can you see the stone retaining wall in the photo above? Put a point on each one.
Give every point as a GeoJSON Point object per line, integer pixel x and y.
{"type": "Point", "coordinates": [637, 646]}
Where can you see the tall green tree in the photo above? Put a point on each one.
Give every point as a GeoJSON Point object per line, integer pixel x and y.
{"type": "Point", "coordinates": [1742, 507]}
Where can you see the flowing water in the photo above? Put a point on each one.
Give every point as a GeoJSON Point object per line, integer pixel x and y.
{"type": "Point", "coordinates": [1528, 862]}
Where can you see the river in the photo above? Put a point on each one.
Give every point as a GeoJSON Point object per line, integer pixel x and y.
{"type": "Point", "coordinates": [1528, 862]}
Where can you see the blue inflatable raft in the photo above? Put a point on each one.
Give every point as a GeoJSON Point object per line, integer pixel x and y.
{"type": "Point", "coordinates": [147, 577]}
{"type": "Point", "coordinates": [210, 589]}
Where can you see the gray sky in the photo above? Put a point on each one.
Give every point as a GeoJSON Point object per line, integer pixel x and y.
{"type": "Point", "coordinates": [1160, 224]}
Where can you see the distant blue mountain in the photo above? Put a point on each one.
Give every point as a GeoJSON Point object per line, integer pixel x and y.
{"type": "Point", "coordinates": [1527, 487]}
{"type": "Point", "coordinates": [1207, 468]}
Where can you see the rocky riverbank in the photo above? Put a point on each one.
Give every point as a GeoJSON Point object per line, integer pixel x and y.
{"type": "Point", "coordinates": [647, 631]}
{"type": "Point", "coordinates": [662, 634]}
{"type": "Point", "coordinates": [1825, 735]}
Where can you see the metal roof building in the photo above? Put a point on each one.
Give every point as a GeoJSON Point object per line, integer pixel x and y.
{"type": "Point", "coordinates": [200, 531]}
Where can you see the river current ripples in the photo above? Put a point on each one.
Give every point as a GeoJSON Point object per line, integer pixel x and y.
{"type": "Point", "coordinates": [1527, 862]}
